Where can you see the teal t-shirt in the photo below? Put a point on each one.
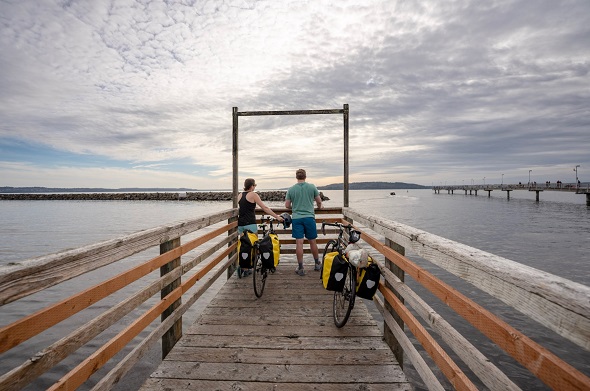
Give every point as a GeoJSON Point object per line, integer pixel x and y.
{"type": "Point", "coordinates": [302, 196]}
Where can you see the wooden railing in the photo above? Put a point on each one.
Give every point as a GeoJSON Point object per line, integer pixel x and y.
{"type": "Point", "coordinates": [558, 304]}
{"type": "Point", "coordinates": [216, 254]}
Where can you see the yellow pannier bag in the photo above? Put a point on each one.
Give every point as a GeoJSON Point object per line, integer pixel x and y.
{"type": "Point", "coordinates": [246, 249]}
{"type": "Point", "coordinates": [334, 269]}
{"type": "Point", "coordinates": [368, 281]}
{"type": "Point", "coordinates": [270, 250]}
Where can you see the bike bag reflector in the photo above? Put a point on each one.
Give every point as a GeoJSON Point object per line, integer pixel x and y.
{"type": "Point", "coordinates": [368, 281]}
{"type": "Point", "coordinates": [270, 250]}
{"type": "Point", "coordinates": [246, 249]}
{"type": "Point", "coordinates": [334, 271]}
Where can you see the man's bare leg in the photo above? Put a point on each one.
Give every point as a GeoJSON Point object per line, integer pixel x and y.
{"type": "Point", "coordinates": [299, 253]}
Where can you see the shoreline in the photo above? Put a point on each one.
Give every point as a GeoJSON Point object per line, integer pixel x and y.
{"type": "Point", "coordinates": [153, 196]}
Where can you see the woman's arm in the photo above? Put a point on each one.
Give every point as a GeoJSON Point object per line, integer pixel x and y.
{"type": "Point", "coordinates": [264, 207]}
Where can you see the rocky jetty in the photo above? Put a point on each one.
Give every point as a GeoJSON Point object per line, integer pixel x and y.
{"type": "Point", "coordinates": [167, 196]}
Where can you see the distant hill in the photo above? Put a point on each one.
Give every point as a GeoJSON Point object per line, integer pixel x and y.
{"type": "Point", "coordinates": [373, 186]}
{"type": "Point", "coordinates": [9, 189]}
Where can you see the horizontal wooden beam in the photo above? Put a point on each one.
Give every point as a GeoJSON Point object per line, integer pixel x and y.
{"type": "Point", "coordinates": [290, 112]}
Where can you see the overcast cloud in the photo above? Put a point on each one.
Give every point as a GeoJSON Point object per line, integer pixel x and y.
{"type": "Point", "coordinates": [128, 93]}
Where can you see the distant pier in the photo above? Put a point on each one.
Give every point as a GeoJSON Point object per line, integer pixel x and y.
{"type": "Point", "coordinates": [474, 189]}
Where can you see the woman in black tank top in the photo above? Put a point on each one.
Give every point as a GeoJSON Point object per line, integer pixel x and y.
{"type": "Point", "coordinates": [247, 201]}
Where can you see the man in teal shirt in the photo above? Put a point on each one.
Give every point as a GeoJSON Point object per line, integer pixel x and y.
{"type": "Point", "coordinates": [299, 199]}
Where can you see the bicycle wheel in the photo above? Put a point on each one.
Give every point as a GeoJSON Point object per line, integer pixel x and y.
{"type": "Point", "coordinates": [344, 301]}
{"type": "Point", "coordinates": [331, 246]}
{"type": "Point", "coordinates": [259, 276]}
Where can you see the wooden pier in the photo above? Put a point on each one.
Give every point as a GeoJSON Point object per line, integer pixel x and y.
{"type": "Point", "coordinates": [473, 189]}
{"type": "Point", "coordinates": [285, 340]}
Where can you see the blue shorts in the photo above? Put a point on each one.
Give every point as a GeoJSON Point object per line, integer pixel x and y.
{"type": "Point", "coordinates": [304, 227]}
{"type": "Point", "coordinates": [250, 227]}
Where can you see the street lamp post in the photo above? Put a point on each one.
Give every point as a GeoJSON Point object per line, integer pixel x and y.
{"type": "Point", "coordinates": [530, 178]}
{"type": "Point", "coordinates": [576, 170]}
{"type": "Point", "coordinates": [502, 180]}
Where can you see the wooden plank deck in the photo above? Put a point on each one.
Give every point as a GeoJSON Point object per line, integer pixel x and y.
{"type": "Point", "coordinates": [285, 340]}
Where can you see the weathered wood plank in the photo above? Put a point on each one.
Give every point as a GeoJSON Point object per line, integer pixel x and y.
{"type": "Point", "coordinates": [290, 331]}
{"type": "Point", "coordinates": [273, 356]}
{"type": "Point", "coordinates": [290, 373]}
{"type": "Point", "coordinates": [277, 320]}
{"type": "Point", "coordinates": [284, 342]}
{"type": "Point", "coordinates": [190, 385]}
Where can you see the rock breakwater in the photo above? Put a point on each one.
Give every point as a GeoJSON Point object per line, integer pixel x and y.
{"type": "Point", "coordinates": [179, 196]}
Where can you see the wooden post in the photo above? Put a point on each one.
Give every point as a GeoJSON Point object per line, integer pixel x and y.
{"type": "Point", "coordinates": [235, 156]}
{"type": "Point", "coordinates": [390, 339]}
{"type": "Point", "coordinates": [173, 334]}
{"type": "Point", "coordinates": [235, 179]}
{"type": "Point", "coordinates": [345, 187]}
{"type": "Point", "coordinates": [232, 268]}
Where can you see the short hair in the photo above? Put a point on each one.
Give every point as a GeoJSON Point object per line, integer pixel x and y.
{"type": "Point", "coordinates": [300, 174]}
{"type": "Point", "coordinates": [248, 183]}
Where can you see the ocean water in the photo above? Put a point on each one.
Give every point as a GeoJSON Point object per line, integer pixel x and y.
{"type": "Point", "coordinates": [551, 235]}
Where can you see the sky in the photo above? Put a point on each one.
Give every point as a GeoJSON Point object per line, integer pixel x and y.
{"type": "Point", "coordinates": [125, 93]}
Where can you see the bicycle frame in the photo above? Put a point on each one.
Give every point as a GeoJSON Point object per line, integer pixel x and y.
{"type": "Point", "coordinates": [260, 272]}
{"type": "Point", "coordinates": [343, 301]}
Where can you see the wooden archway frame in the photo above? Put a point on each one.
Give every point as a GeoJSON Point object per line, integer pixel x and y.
{"type": "Point", "coordinates": [236, 114]}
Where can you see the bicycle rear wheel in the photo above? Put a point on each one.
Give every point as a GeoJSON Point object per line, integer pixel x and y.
{"type": "Point", "coordinates": [259, 276]}
{"type": "Point", "coordinates": [344, 301]}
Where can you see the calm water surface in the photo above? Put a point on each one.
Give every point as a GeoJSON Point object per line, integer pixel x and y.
{"type": "Point", "coordinates": [551, 235]}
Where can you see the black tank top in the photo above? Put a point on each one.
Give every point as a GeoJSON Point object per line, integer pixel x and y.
{"type": "Point", "coordinates": [246, 215]}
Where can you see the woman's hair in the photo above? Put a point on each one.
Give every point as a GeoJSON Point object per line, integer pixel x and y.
{"type": "Point", "coordinates": [300, 174]}
{"type": "Point", "coordinates": [248, 183]}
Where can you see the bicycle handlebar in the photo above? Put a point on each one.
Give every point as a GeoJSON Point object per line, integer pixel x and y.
{"type": "Point", "coordinates": [264, 220]}
{"type": "Point", "coordinates": [339, 225]}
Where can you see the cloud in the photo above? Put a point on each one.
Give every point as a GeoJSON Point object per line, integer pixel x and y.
{"type": "Point", "coordinates": [436, 90]}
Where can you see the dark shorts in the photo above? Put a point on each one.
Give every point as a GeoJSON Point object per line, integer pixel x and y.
{"type": "Point", "coordinates": [304, 227]}
{"type": "Point", "coordinates": [251, 227]}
